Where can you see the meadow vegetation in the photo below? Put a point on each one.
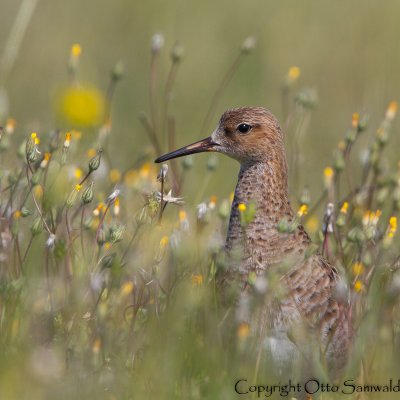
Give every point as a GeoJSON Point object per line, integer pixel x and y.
{"type": "Point", "coordinates": [108, 277]}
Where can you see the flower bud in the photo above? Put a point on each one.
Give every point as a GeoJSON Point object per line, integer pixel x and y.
{"type": "Point", "coordinates": [351, 136]}
{"type": "Point", "coordinates": [118, 71]}
{"type": "Point", "coordinates": [37, 226]}
{"type": "Point", "coordinates": [356, 235]}
{"type": "Point", "coordinates": [101, 237]}
{"type": "Point", "coordinates": [73, 195]}
{"type": "Point", "coordinates": [87, 195]}
{"type": "Point", "coordinates": [187, 162]}
{"type": "Point", "coordinates": [116, 233]}
{"type": "Point", "coordinates": [212, 163]}
{"type": "Point", "coordinates": [177, 53]}
{"type": "Point", "coordinates": [307, 98]}
{"type": "Point", "coordinates": [341, 220]}
{"type": "Point", "coordinates": [305, 197]}
{"type": "Point", "coordinates": [94, 163]}
{"type": "Point", "coordinates": [108, 261]}
{"type": "Point", "coordinates": [21, 150]}
{"type": "Point", "coordinates": [4, 143]}
{"type": "Point", "coordinates": [25, 212]}
{"type": "Point", "coordinates": [224, 209]}
{"type": "Point", "coordinates": [339, 162]}
{"type": "Point", "coordinates": [35, 179]}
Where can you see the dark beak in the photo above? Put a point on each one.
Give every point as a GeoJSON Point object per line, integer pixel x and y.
{"type": "Point", "coordinates": [197, 147]}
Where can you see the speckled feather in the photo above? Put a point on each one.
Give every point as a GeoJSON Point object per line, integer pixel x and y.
{"type": "Point", "coordinates": [310, 282]}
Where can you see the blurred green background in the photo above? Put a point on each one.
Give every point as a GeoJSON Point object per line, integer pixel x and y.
{"type": "Point", "coordinates": [347, 51]}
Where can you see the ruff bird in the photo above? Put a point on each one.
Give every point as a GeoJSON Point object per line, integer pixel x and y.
{"type": "Point", "coordinates": [308, 285]}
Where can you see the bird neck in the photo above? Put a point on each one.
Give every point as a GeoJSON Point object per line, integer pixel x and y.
{"type": "Point", "coordinates": [264, 184]}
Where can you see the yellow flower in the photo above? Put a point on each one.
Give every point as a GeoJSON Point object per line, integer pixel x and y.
{"type": "Point", "coordinates": [342, 145]}
{"type": "Point", "coordinates": [357, 268]}
{"type": "Point", "coordinates": [76, 50]}
{"type": "Point", "coordinates": [213, 202]}
{"type": "Point", "coordinates": [344, 208]}
{"type": "Point", "coordinates": [45, 161]}
{"type": "Point", "coordinates": [98, 209]}
{"type": "Point", "coordinates": [35, 138]}
{"type": "Point", "coordinates": [115, 175]}
{"type": "Point", "coordinates": [78, 187]}
{"type": "Point", "coordinates": [358, 286]}
{"type": "Point", "coordinates": [242, 207]}
{"type": "Point", "coordinates": [371, 217]}
{"type": "Point", "coordinates": [145, 170]}
{"type": "Point", "coordinates": [197, 280]}
{"type": "Point", "coordinates": [82, 105]}
{"type": "Point", "coordinates": [355, 118]}
{"type": "Point", "coordinates": [328, 176]}
{"type": "Point", "coordinates": [391, 110]}
{"type": "Point", "coordinates": [116, 207]}
{"type": "Point", "coordinates": [303, 210]}
{"type": "Point", "coordinates": [164, 241]}
{"type": "Point", "coordinates": [38, 191]}
{"type": "Point", "coordinates": [243, 331]}
{"type": "Point", "coordinates": [78, 173]}
{"type": "Point", "coordinates": [392, 226]}
{"type": "Point", "coordinates": [77, 135]}
{"type": "Point", "coordinates": [91, 152]}
{"type": "Point", "coordinates": [10, 126]}
{"type": "Point", "coordinates": [182, 215]}
{"type": "Point", "coordinates": [312, 224]}
{"type": "Point", "coordinates": [127, 288]}
{"type": "Point", "coordinates": [131, 177]}
{"type": "Point", "coordinates": [95, 222]}
{"type": "Point", "coordinates": [107, 245]}
{"type": "Point", "coordinates": [96, 346]}
{"type": "Point", "coordinates": [17, 214]}
{"type": "Point", "coordinates": [293, 74]}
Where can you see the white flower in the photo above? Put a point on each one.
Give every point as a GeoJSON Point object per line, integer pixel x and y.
{"type": "Point", "coordinates": [157, 42]}
{"type": "Point", "coordinates": [328, 227]}
{"type": "Point", "coordinates": [201, 211]}
{"type": "Point", "coordinates": [112, 197]}
{"type": "Point", "coordinates": [167, 198]}
{"type": "Point", "coordinates": [51, 241]}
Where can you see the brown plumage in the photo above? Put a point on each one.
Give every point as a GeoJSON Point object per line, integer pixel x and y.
{"type": "Point", "coordinates": [306, 307]}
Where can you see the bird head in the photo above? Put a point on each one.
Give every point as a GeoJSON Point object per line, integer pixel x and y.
{"type": "Point", "coordinates": [248, 134]}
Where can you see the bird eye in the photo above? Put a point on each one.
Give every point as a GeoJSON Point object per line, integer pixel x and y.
{"type": "Point", "coordinates": [244, 128]}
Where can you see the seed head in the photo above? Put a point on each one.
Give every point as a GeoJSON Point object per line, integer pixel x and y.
{"type": "Point", "coordinates": [248, 45]}
{"type": "Point", "coordinates": [113, 196]}
{"type": "Point", "coordinates": [50, 242]}
{"type": "Point", "coordinates": [157, 43]}
{"type": "Point", "coordinates": [163, 173]}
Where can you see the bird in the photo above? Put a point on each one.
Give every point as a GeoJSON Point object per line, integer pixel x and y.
{"type": "Point", "coordinates": [309, 310]}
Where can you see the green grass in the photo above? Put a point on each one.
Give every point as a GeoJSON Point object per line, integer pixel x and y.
{"type": "Point", "coordinates": [116, 297]}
